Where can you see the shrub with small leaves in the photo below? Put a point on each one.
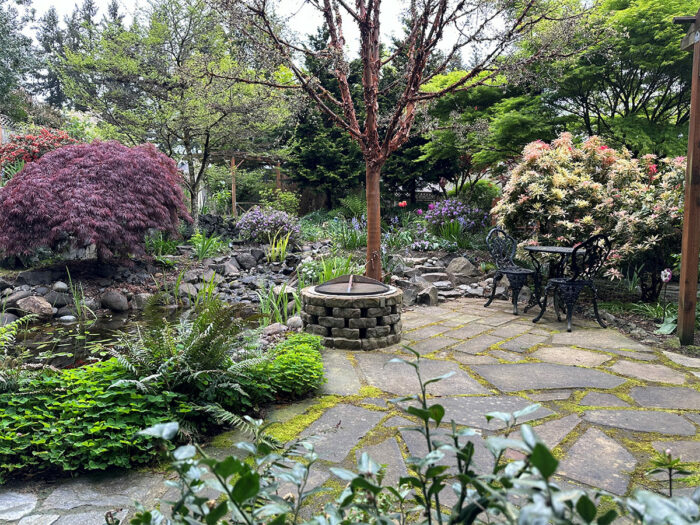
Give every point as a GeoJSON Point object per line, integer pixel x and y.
{"type": "Point", "coordinates": [297, 368]}
{"type": "Point", "coordinates": [102, 193]}
{"type": "Point", "coordinates": [262, 224]}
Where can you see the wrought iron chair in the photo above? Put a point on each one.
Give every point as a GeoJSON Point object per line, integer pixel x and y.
{"type": "Point", "coordinates": [586, 261]}
{"type": "Point", "coordinates": [502, 248]}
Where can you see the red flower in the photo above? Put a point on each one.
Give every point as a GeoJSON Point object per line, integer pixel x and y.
{"type": "Point", "coordinates": [403, 204]}
{"type": "Point", "coordinates": [653, 168]}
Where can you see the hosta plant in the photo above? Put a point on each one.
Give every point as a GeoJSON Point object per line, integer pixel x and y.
{"type": "Point", "coordinates": [102, 194]}
{"type": "Point", "coordinates": [562, 193]}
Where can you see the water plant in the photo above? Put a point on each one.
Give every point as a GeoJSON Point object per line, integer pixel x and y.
{"type": "Point", "coordinates": [274, 304]}
{"type": "Point", "coordinates": [277, 252]}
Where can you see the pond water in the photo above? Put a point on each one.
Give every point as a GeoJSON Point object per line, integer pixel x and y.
{"type": "Point", "coordinates": [70, 345]}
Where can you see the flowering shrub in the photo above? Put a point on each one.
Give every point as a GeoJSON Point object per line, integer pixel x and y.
{"type": "Point", "coordinates": [450, 211]}
{"type": "Point", "coordinates": [31, 146]}
{"type": "Point", "coordinates": [102, 193]}
{"type": "Point", "coordinates": [263, 224]}
{"type": "Point", "coordinates": [349, 235]}
{"type": "Point", "coordinates": [562, 194]}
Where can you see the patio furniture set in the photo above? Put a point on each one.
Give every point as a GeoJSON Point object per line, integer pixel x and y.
{"type": "Point", "coordinates": [568, 270]}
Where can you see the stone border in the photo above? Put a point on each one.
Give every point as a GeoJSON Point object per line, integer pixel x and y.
{"type": "Point", "coordinates": [358, 322]}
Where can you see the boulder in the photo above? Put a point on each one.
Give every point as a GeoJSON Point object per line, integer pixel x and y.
{"type": "Point", "coordinates": [428, 296]}
{"type": "Point", "coordinates": [14, 297]}
{"type": "Point", "coordinates": [246, 261]}
{"type": "Point", "coordinates": [295, 323]}
{"type": "Point", "coordinates": [231, 268]}
{"type": "Point", "coordinates": [37, 306]}
{"type": "Point", "coordinates": [7, 318]}
{"type": "Point", "coordinates": [58, 299]}
{"type": "Point", "coordinates": [4, 284]}
{"type": "Point", "coordinates": [192, 276]}
{"type": "Point", "coordinates": [35, 277]}
{"type": "Point", "coordinates": [60, 286]}
{"type": "Point", "coordinates": [462, 271]}
{"type": "Point", "coordinates": [140, 300]}
{"type": "Point", "coordinates": [187, 290]}
{"type": "Point", "coordinates": [211, 274]}
{"type": "Point", "coordinates": [412, 288]}
{"type": "Point", "coordinates": [115, 301]}
{"type": "Point", "coordinates": [258, 254]}
{"type": "Point", "coordinates": [67, 319]}
{"type": "Point", "coordinates": [274, 329]}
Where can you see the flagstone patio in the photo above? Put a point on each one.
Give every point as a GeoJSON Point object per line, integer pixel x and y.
{"type": "Point", "coordinates": [608, 403]}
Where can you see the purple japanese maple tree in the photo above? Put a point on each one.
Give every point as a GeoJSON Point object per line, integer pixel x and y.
{"type": "Point", "coordinates": [102, 193]}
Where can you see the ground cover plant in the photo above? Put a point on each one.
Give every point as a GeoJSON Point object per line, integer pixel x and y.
{"type": "Point", "coordinates": [110, 196]}
{"type": "Point", "coordinates": [521, 491]}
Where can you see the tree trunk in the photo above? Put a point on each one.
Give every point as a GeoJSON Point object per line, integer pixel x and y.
{"type": "Point", "coordinates": [374, 232]}
{"type": "Point", "coordinates": [194, 205]}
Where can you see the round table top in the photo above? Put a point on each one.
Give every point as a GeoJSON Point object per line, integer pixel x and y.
{"type": "Point", "coordinates": [563, 250]}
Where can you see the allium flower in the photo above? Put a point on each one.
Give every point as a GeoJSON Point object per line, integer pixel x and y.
{"type": "Point", "coordinates": [666, 275]}
{"type": "Point", "coordinates": [419, 211]}
{"type": "Point", "coordinates": [431, 206]}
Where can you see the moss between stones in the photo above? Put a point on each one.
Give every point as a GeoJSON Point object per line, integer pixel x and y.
{"type": "Point", "coordinates": [288, 430]}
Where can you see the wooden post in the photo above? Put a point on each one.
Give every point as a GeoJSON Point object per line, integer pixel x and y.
{"type": "Point", "coordinates": [279, 177]}
{"type": "Point", "coordinates": [234, 210]}
{"type": "Point", "coordinates": [690, 248]}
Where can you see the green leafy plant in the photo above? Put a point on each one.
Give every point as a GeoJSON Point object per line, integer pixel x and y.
{"type": "Point", "coordinates": [11, 363]}
{"type": "Point", "coordinates": [274, 304]}
{"type": "Point", "coordinates": [349, 235]}
{"type": "Point", "coordinates": [159, 244]}
{"type": "Point", "coordinates": [79, 419]}
{"type": "Point", "coordinates": [327, 268]}
{"type": "Point", "coordinates": [354, 205]}
{"type": "Point", "coordinates": [82, 311]}
{"type": "Point", "coordinates": [297, 366]}
{"type": "Point", "coordinates": [281, 200]}
{"type": "Point", "coordinates": [277, 252]}
{"type": "Point", "coordinates": [206, 246]}
{"type": "Point", "coordinates": [665, 463]}
{"type": "Point", "coordinates": [9, 170]}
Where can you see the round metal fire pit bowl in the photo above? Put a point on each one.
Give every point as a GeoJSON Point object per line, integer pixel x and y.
{"type": "Point", "coordinates": [353, 322]}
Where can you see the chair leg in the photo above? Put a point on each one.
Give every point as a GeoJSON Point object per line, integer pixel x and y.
{"type": "Point", "coordinates": [595, 307]}
{"type": "Point", "coordinates": [517, 282]}
{"type": "Point", "coordinates": [557, 304]}
{"type": "Point", "coordinates": [496, 279]}
{"type": "Point", "coordinates": [570, 296]}
{"type": "Point", "coordinates": [543, 305]}
{"type": "Point", "coordinates": [569, 314]}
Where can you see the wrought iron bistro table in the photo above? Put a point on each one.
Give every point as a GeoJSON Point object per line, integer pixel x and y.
{"type": "Point", "coordinates": [556, 268]}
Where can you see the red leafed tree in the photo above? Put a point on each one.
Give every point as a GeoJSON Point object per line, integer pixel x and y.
{"type": "Point", "coordinates": [102, 193]}
{"type": "Point", "coordinates": [31, 146]}
{"type": "Point", "coordinates": [490, 32]}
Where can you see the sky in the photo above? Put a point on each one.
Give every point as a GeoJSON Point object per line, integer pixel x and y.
{"type": "Point", "coordinates": [303, 18]}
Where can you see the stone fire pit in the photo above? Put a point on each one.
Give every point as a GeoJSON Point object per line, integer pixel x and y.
{"type": "Point", "coordinates": [353, 313]}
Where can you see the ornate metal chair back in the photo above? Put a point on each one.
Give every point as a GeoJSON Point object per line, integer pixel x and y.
{"type": "Point", "coordinates": [589, 257]}
{"type": "Point", "coordinates": [502, 247]}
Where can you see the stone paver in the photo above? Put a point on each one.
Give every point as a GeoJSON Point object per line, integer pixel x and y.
{"type": "Point", "coordinates": [39, 519]}
{"type": "Point", "coordinates": [666, 397]}
{"type": "Point", "coordinates": [649, 372]}
{"type": "Point", "coordinates": [684, 360]}
{"type": "Point", "coordinates": [433, 344]}
{"type": "Point", "coordinates": [599, 461]}
{"type": "Point", "coordinates": [340, 374]}
{"type": "Point", "coordinates": [694, 417]}
{"type": "Point", "coordinates": [14, 505]}
{"type": "Point", "coordinates": [553, 432]}
{"type": "Point", "coordinates": [565, 355]}
{"type": "Point", "coordinates": [511, 330]}
{"type": "Point", "coordinates": [467, 359]}
{"type": "Point", "coordinates": [387, 453]}
{"type": "Point", "coordinates": [477, 344]}
{"type": "Point", "coordinates": [339, 429]}
{"type": "Point", "coordinates": [687, 450]}
{"type": "Point", "coordinates": [424, 333]}
{"type": "Point", "coordinates": [522, 343]}
{"type": "Point", "coordinates": [468, 331]}
{"type": "Point", "coordinates": [599, 399]}
{"type": "Point", "coordinates": [470, 411]}
{"type": "Point", "coordinates": [511, 357]}
{"type": "Point", "coordinates": [543, 376]}
{"type": "Point", "coordinates": [400, 379]}
{"type": "Point", "coordinates": [554, 395]}
{"type": "Point", "coordinates": [642, 421]}
{"type": "Point", "coordinates": [598, 339]}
